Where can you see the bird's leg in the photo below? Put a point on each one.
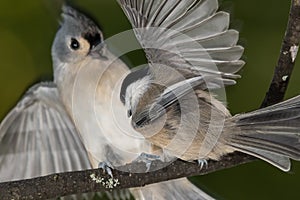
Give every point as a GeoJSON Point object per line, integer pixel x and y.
{"type": "Point", "coordinates": [106, 166]}
{"type": "Point", "coordinates": [147, 159]}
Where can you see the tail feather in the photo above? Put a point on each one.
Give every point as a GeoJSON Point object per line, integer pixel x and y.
{"type": "Point", "coordinates": [179, 189]}
{"type": "Point", "coordinates": [285, 114]}
{"type": "Point", "coordinates": [280, 161]}
{"type": "Point", "coordinates": [286, 144]}
{"type": "Point", "coordinates": [271, 134]}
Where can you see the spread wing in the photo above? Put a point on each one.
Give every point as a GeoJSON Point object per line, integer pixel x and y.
{"type": "Point", "coordinates": [189, 36]}
{"type": "Point", "coordinates": [183, 40]}
{"type": "Point", "coordinates": [38, 138]}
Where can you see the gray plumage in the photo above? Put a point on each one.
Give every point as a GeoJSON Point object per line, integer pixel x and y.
{"type": "Point", "coordinates": [272, 133]}
{"type": "Point", "coordinates": [184, 35]}
{"type": "Point", "coordinates": [196, 54]}
{"type": "Point", "coordinates": [87, 77]}
{"type": "Point", "coordinates": [39, 135]}
{"type": "Point", "coordinates": [178, 112]}
{"type": "Point", "coordinates": [38, 138]}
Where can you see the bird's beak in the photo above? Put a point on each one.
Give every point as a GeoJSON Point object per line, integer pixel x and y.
{"type": "Point", "coordinates": [129, 113]}
{"type": "Point", "coordinates": [98, 51]}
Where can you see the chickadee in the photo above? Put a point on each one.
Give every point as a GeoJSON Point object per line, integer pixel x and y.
{"type": "Point", "coordinates": [172, 104]}
{"type": "Point", "coordinates": [188, 46]}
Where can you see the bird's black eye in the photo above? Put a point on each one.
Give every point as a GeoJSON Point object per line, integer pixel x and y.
{"type": "Point", "coordinates": [74, 44]}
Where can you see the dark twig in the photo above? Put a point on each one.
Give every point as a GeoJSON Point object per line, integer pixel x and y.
{"type": "Point", "coordinates": [289, 50]}
{"type": "Point", "coordinates": [79, 182]}
{"type": "Point", "coordinates": [57, 185]}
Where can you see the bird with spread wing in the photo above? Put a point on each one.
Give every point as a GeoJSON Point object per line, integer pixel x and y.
{"type": "Point", "coordinates": [95, 111]}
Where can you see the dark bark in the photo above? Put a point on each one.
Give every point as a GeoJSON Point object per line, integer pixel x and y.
{"type": "Point", "coordinates": [80, 182]}
{"type": "Point", "coordinates": [57, 185]}
{"type": "Point", "coordinates": [286, 61]}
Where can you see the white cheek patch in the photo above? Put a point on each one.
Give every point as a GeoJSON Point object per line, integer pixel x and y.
{"type": "Point", "coordinates": [84, 46]}
{"type": "Point", "coordinates": [135, 91]}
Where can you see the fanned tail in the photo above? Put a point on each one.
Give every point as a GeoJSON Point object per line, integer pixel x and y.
{"type": "Point", "coordinates": [271, 134]}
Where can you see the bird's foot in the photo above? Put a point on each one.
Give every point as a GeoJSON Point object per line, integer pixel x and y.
{"type": "Point", "coordinates": [202, 163]}
{"type": "Point", "coordinates": [147, 159]}
{"type": "Point", "coordinates": [106, 166]}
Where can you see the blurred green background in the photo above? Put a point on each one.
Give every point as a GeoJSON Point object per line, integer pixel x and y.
{"type": "Point", "coordinates": [27, 29]}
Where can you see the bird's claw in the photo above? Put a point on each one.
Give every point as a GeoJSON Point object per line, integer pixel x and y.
{"type": "Point", "coordinates": [106, 166]}
{"type": "Point", "coordinates": [202, 163]}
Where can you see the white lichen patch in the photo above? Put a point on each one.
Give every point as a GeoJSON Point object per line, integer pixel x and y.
{"type": "Point", "coordinates": [285, 78]}
{"type": "Point", "coordinates": [109, 183]}
{"type": "Point", "coordinates": [294, 51]}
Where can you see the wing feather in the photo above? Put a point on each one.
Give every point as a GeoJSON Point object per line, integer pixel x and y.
{"type": "Point", "coordinates": [38, 138]}
{"type": "Point", "coordinates": [191, 12]}
{"type": "Point", "coordinates": [190, 36]}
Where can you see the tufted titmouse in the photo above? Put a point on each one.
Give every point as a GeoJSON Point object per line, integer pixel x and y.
{"type": "Point", "coordinates": [189, 48]}
{"type": "Point", "coordinates": [81, 111]}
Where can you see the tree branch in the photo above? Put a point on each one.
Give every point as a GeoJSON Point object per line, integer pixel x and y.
{"type": "Point", "coordinates": [80, 182]}
{"type": "Point", "coordinates": [286, 61]}
{"type": "Point", "coordinates": [68, 183]}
